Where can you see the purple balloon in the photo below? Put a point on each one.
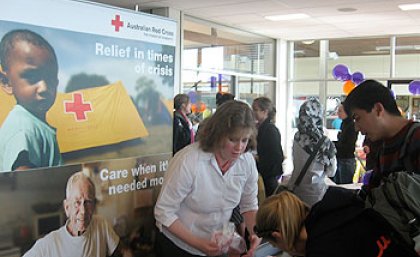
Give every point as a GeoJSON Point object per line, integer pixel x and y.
{"type": "Point", "coordinates": [193, 96]}
{"type": "Point", "coordinates": [341, 72]}
{"type": "Point", "coordinates": [414, 87]}
{"type": "Point", "coordinates": [346, 77]}
{"type": "Point", "coordinates": [358, 77]}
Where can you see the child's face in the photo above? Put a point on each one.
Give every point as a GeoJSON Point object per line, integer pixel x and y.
{"type": "Point", "coordinates": [32, 76]}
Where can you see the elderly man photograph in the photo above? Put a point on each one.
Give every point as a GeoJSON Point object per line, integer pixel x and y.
{"type": "Point", "coordinates": [84, 233]}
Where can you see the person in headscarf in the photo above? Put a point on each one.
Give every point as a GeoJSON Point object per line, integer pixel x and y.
{"type": "Point", "coordinates": [310, 130]}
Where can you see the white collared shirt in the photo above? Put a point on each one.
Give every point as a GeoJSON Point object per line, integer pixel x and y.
{"type": "Point", "coordinates": [197, 193]}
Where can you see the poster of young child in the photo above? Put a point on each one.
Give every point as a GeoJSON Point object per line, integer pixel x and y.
{"type": "Point", "coordinates": [78, 86]}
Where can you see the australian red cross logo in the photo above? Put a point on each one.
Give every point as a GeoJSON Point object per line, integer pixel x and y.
{"type": "Point", "coordinates": [117, 23]}
{"type": "Point", "coordinates": [78, 107]}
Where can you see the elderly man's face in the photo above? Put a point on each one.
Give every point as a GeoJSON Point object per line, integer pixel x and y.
{"type": "Point", "coordinates": [79, 207]}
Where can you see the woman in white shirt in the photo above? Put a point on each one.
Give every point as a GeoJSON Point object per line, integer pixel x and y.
{"type": "Point", "coordinates": [205, 182]}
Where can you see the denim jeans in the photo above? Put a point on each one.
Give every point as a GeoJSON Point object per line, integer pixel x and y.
{"type": "Point", "coordinates": [345, 171]}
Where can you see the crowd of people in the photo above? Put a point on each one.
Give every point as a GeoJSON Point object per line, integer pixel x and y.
{"type": "Point", "coordinates": [212, 180]}
{"type": "Point", "coordinates": [208, 179]}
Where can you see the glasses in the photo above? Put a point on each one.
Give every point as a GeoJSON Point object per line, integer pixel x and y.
{"type": "Point", "coordinates": [264, 233]}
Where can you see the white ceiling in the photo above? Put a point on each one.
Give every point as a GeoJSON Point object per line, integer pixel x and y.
{"type": "Point", "coordinates": [372, 17]}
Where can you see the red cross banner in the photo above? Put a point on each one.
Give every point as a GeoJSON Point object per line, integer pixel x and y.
{"type": "Point", "coordinates": [110, 75]}
{"type": "Point", "coordinates": [95, 117]}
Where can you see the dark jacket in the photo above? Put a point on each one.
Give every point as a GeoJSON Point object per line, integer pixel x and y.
{"type": "Point", "coordinates": [346, 140]}
{"type": "Point", "coordinates": [270, 152]}
{"type": "Point", "coordinates": [181, 133]}
{"type": "Point", "coordinates": [340, 226]}
{"type": "Point", "coordinates": [401, 152]}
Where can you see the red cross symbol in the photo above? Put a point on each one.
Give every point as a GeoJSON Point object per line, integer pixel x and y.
{"type": "Point", "coordinates": [117, 23]}
{"type": "Point", "coordinates": [78, 107]}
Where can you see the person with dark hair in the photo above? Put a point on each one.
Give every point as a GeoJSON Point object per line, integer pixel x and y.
{"type": "Point", "coordinates": [269, 151]}
{"type": "Point", "coordinates": [338, 225]}
{"type": "Point", "coordinates": [376, 115]}
{"type": "Point", "coordinates": [345, 145]}
{"type": "Point", "coordinates": [310, 131]}
{"type": "Point", "coordinates": [183, 133]}
{"type": "Point", "coordinates": [223, 98]}
{"type": "Point", "coordinates": [29, 70]}
{"type": "Point", "coordinates": [205, 182]}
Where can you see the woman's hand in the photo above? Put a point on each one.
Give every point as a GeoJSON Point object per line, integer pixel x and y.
{"type": "Point", "coordinates": [208, 247]}
{"type": "Point", "coordinates": [254, 243]}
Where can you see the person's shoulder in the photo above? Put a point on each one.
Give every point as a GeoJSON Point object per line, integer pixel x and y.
{"type": "Point", "coordinates": [298, 149]}
{"type": "Point", "coordinates": [177, 117]}
{"type": "Point", "coordinates": [415, 128]}
{"type": "Point", "coordinates": [177, 114]}
{"type": "Point", "coordinates": [411, 134]}
{"type": "Point", "coordinates": [411, 142]}
{"type": "Point", "coordinates": [272, 126]}
{"type": "Point", "coordinates": [21, 119]}
{"type": "Point", "coordinates": [17, 116]}
{"type": "Point", "coordinates": [49, 240]}
{"type": "Point", "coordinates": [99, 221]}
{"type": "Point", "coordinates": [191, 153]}
{"type": "Point", "coordinates": [268, 128]}
{"type": "Point", "coordinates": [247, 155]}
{"type": "Point", "coordinates": [247, 158]}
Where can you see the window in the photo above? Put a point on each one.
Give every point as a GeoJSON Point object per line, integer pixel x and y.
{"type": "Point", "coordinates": [217, 58]}
{"type": "Point", "coordinates": [407, 57]}
{"type": "Point", "coordinates": [370, 56]}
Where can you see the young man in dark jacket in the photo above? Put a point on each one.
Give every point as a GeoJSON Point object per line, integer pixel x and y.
{"type": "Point", "coordinates": [376, 115]}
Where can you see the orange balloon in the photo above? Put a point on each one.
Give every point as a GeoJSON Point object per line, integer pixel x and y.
{"type": "Point", "coordinates": [203, 107]}
{"type": "Point", "coordinates": [193, 108]}
{"type": "Point", "coordinates": [348, 87]}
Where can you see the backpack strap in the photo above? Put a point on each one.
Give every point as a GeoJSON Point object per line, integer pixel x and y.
{"type": "Point", "coordinates": [308, 162]}
{"type": "Point", "coordinates": [403, 153]}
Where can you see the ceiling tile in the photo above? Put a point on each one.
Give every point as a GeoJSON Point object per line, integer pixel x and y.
{"type": "Point", "coordinates": [372, 17]}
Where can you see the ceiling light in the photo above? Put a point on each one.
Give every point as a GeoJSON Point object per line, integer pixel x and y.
{"type": "Point", "coordinates": [398, 48]}
{"type": "Point", "coordinates": [299, 52]}
{"type": "Point", "coordinates": [409, 7]}
{"type": "Point", "coordinates": [347, 9]}
{"type": "Point", "coordinates": [287, 17]}
{"type": "Point", "coordinates": [332, 55]}
{"type": "Point", "coordinates": [374, 52]}
{"type": "Point", "coordinates": [308, 42]}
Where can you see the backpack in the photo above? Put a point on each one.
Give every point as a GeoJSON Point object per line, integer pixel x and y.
{"type": "Point", "coordinates": [398, 198]}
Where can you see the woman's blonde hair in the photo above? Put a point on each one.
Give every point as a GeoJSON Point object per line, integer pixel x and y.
{"type": "Point", "coordinates": [284, 213]}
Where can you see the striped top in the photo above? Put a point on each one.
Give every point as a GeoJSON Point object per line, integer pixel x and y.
{"type": "Point", "coordinates": [392, 155]}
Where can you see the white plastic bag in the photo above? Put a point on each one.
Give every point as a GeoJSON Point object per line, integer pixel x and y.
{"type": "Point", "coordinates": [224, 236]}
{"type": "Point", "coordinates": [237, 246]}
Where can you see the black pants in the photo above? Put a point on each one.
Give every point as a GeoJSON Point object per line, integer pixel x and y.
{"type": "Point", "coordinates": [270, 184]}
{"type": "Point", "coordinates": [165, 248]}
